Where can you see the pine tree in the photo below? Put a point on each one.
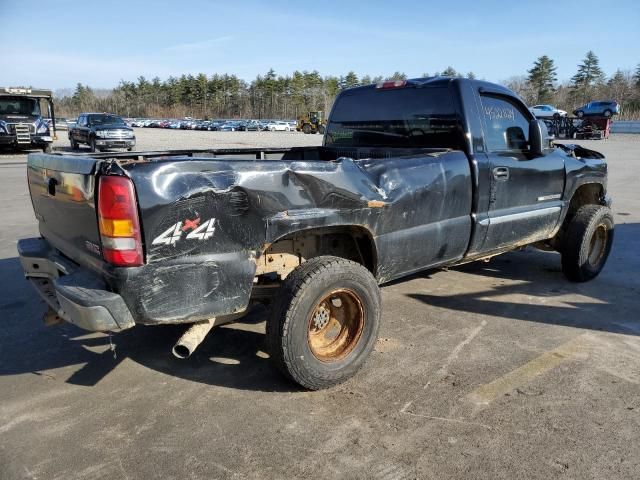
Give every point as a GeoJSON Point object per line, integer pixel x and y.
{"type": "Point", "coordinates": [541, 78]}
{"type": "Point", "coordinates": [620, 85]}
{"type": "Point", "coordinates": [471, 76]}
{"type": "Point", "coordinates": [349, 81]}
{"type": "Point", "coordinates": [636, 76]}
{"type": "Point", "coordinates": [588, 76]}
{"type": "Point", "coordinates": [397, 76]}
{"type": "Point", "coordinates": [365, 80]}
{"type": "Point", "coordinates": [450, 72]}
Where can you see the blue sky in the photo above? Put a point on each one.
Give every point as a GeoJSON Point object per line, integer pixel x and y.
{"type": "Point", "coordinates": [60, 43]}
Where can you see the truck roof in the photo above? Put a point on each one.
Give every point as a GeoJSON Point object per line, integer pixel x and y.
{"type": "Point", "coordinates": [27, 92]}
{"type": "Point", "coordinates": [441, 81]}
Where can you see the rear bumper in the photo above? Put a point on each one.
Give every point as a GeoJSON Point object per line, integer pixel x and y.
{"type": "Point", "coordinates": [77, 295]}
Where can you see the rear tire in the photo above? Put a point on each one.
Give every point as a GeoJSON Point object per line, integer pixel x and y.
{"type": "Point", "coordinates": [306, 128]}
{"type": "Point", "coordinates": [324, 322]}
{"type": "Point", "coordinates": [587, 242]}
{"type": "Point", "coordinates": [579, 114]}
{"type": "Point", "coordinates": [321, 129]}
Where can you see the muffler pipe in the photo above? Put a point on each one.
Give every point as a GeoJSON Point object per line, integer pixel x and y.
{"type": "Point", "coordinates": [193, 337]}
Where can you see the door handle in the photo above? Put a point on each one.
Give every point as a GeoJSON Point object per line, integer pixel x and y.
{"type": "Point", "coordinates": [501, 173]}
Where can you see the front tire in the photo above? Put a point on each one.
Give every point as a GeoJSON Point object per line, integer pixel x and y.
{"type": "Point", "coordinates": [324, 322]}
{"type": "Point", "coordinates": [579, 114]}
{"type": "Point", "coordinates": [92, 145]}
{"type": "Point", "coordinates": [607, 113]}
{"type": "Point", "coordinates": [587, 242]}
{"type": "Point", "coordinates": [48, 148]}
{"type": "Point", "coordinates": [306, 128]}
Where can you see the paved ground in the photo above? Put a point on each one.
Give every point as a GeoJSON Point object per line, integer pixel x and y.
{"type": "Point", "coordinates": [491, 370]}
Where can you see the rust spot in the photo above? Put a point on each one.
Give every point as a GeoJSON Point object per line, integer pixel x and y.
{"type": "Point", "coordinates": [335, 325]}
{"type": "Point", "coordinates": [375, 204]}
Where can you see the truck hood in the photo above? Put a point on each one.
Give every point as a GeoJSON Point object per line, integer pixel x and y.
{"type": "Point", "coordinates": [113, 126]}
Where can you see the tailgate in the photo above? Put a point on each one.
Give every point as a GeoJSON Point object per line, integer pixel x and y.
{"type": "Point", "coordinates": [62, 191]}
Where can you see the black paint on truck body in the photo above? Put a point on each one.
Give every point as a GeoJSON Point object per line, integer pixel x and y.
{"type": "Point", "coordinates": [430, 195]}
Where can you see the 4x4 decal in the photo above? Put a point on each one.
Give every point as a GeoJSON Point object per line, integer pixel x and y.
{"type": "Point", "coordinates": [175, 232]}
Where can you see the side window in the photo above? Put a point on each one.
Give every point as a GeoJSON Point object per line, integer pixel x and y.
{"type": "Point", "coordinates": [507, 128]}
{"type": "Point", "coordinates": [82, 121]}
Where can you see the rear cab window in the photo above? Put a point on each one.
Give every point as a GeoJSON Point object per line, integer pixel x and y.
{"type": "Point", "coordinates": [423, 117]}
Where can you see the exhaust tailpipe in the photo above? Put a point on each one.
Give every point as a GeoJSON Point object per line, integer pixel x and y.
{"type": "Point", "coordinates": [193, 337]}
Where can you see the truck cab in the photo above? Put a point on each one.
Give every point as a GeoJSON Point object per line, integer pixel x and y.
{"type": "Point", "coordinates": [22, 125]}
{"type": "Point", "coordinates": [101, 131]}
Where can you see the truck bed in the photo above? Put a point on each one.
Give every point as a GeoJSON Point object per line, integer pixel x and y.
{"type": "Point", "coordinates": [251, 198]}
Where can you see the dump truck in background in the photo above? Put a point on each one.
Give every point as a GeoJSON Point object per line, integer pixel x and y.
{"type": "Point", "coordinates": [22, 124]}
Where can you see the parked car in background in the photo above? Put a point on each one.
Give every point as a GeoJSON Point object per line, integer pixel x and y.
{"type": "Point", "coordinates": [603, 108]}
{"type": "Point", "coordinates": [228, 127]}
{"type": "Point", "coordinates": [101, 131]}
{"type": "Point", "coordinates": [547, 111]}
{"type": "Point", "coordinates": [61, 123]}
{"type": "Point", "coordinates": [253, 126]}
{"type": "Point", "coordinates": [279, 126]}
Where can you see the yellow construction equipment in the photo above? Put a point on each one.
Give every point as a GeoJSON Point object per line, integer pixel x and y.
{"type": "Point", "coordinates": [314, 122]}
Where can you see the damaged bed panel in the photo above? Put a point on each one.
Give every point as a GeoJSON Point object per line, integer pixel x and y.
{"type": "Point", "coordinates": [207, 221]}
{"type": "Point", "coordinates": [252, 203]}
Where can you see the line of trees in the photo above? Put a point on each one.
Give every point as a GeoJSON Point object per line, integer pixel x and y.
{"type": "Point", "coordinates": [277, 96]}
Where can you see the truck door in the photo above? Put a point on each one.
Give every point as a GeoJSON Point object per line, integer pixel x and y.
{"type": "Point", "coordinates": [526, 192]}
{"type": "Point", "coordinates": [76, 133]}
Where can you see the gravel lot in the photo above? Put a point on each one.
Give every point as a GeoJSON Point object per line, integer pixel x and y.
{"type": "Point", "coordinates": [489, 370]}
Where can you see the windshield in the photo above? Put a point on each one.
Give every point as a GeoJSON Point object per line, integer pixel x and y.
{"type": "Point", "coordinates": [405, 117]}
{"type": "Point", "coordinates": [105, 119]}
{"type": "Point", "coordinates": [19, 106]}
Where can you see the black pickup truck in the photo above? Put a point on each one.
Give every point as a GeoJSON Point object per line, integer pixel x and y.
{"type": "Point", "coordinates": [101, 131]}
{"type": "Point", "coordinates": [412, 175]}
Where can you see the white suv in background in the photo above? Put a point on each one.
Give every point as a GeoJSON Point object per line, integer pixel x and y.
{"type": "Point", "coordinates": [279, 127]}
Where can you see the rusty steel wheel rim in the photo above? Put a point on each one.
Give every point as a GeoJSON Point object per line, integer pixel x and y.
{"type": "Point", "coordinates": [598, 245]}
{"type": "Point", "coordinates": [335, 325]}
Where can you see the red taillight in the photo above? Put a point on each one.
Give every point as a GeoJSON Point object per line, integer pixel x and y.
{"type": "Point", "coordinates": [118, 222]}
{"type": "Point", "coordinates": [391, 84]}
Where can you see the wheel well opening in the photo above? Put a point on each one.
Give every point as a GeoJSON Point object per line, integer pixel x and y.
{"type": "Point", "coordinates": [589, 194]}
{"type": "Point", "coordinates": [282, 256]}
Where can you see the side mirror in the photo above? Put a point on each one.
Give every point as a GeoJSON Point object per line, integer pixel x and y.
{"type": "Point", "coordinates": [538, 134]}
